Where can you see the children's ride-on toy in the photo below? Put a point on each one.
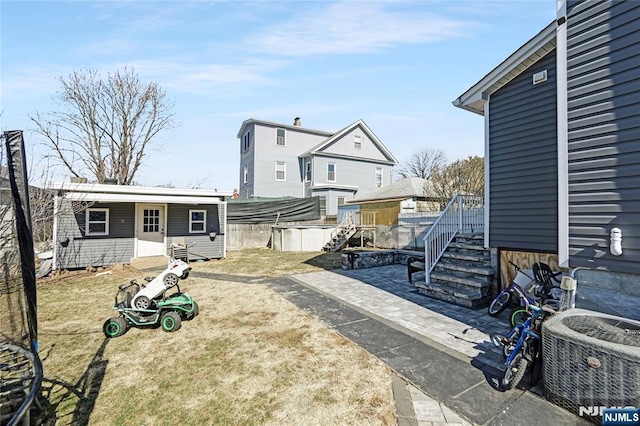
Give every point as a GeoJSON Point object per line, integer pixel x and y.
{"type": "Point", "coordinates": [166, 312]}
{"type": "Point", "coordinates": [177, 270]}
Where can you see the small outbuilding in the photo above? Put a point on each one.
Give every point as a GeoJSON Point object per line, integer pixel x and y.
{"type": "Point", "coordinates": [100, 224]}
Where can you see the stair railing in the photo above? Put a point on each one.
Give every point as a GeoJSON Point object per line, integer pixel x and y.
{"type": "Point", "coordinates": [347, 223]}
{"type": "Point", "coordinates": [463, 213]}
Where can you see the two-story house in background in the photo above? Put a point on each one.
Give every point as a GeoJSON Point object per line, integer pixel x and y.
{"type": "Point", "coordinates": [278, 160]}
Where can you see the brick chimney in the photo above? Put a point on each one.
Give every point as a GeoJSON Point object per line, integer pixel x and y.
{"type": "Point", "coordinates": [297, 122]}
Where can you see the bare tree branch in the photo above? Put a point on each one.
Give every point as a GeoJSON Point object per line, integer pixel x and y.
{"type": "Point", "coordinates": [460, 177]}
{"type": "Point", "coordinates": [423, 164]}
{"type": "Point", "coordinates": [104, 124]}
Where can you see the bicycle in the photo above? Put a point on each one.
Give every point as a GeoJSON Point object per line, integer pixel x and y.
{"type": "Point", "coordinates": [518, 286]}
{"type": "Point", "coordinates": [522, 348]}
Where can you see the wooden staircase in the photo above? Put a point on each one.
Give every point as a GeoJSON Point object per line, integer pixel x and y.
{"type": "Point", "coordinates": [463, 275]}
{"type": "Point", "coordinates": [339, 237]}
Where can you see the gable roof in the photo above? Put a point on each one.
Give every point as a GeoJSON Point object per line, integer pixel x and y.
{"type": "Point", "coordinates": [531, 52]}
{"type": "Point", "coordinates": [250, 121]}
{"type": "Point", "coordinates": [318, 149]}
{"type": "Point", "coordinates": [405, 188]}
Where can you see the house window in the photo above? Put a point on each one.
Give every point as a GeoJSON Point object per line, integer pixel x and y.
{"type": "Point", "coordinates": [341, 201]}
{"type": "Point", "coordinates": [97, 222]}
{"type": "Point", "coordinates": [246, 140]}
{"type": "Point", "coordinates": [245, 174]}
{"type": "Point", "coordinates": [331, 172]}
{"type": "Point", "coordinates": [280, 141]}
{"type": "Point", "coordinates": [379, 177]}
{"type": "Point", "coordinates": [197, 221]}
{"type": "Point", "coordinates": [307, 171]}
{"type": "Point", "coordinates": [151, 220]}
{"type": "Point", "coordinates": [323, 206]}
{"type": "Point", "coordinates": [357, 142]}
{"type": "Point", "coordinates": [281, 170]}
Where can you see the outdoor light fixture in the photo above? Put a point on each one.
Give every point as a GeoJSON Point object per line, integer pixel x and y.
{"type": "Point", "coordinates": [616, 242]}
{"type": "Point", "coordinates": [212, 236]}
{"type": "Point", "coordinates": [64, 242]}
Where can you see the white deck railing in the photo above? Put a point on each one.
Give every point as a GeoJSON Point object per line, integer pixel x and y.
{"type": "Point", "coordinates": [464, 213]}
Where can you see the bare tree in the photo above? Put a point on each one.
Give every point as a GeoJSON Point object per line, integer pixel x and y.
{"type": "Point", "coordinates": [104, 125]}
{"type": "Point", "coordinates": [460, 177]}
{"type": "Point", "coordinates": [423, 164]}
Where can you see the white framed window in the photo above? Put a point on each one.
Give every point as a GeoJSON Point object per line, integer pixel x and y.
{"type": "Point", "coordinates": [245, 174]}
{"type": "Point", "coordinates": [307, 171]}
{"type": "Point", "coordinates": [331, 172]}
{"type": "Point", "coordinates": [341, 201]}
{"type": "Point", "coordinates": [197, 221]}
{"type": "Point", "coordinates": [246, 140]}
{"type": "Point", "coordinates": [357, 142]}
{"type": "Point", "coordinates": [280, 137]}
{"type": "Point", "coordinates": [281, 170]}
{"type": "Point", "coordinates": [323, 205]}
{"type": "Point", "coordinates": [97, 222]}
{"type": "Point", "coordinates": [379, 177]}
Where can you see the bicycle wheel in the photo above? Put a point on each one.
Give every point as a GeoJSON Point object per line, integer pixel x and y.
{"type": "Point", "coordinates": [515, 372]}
{"type": "Point", "coordinates": [499, 304]}
{"type": "Point", "coordinates": [518, 315]}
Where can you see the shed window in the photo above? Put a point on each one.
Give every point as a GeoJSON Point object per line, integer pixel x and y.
{"type": "Point", "coordinates": [197, 221]}
{"type": "Point", "coordinates": [97, 222]}
{"type": "Point", "coordinates": [307, 171]}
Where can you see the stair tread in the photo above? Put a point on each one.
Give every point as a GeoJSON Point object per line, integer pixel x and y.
{"type": "Point", "coordinates": [467, 246]}
{"type": "Point", "coordinates": [453, 291]}
{"type": "Point", "coordinates": [460, 280]}
{"type": "Point", "coordinates": [470, 257]}
{"type": "Point", "coordinates": [472, 269]}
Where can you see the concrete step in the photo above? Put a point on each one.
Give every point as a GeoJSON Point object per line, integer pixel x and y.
{"type": "Point", "coordinates": [468, 268]}
{"type": "Point", "coordinates": [466, 246]}
{"type": "Point", "coordinates": [453, 280]}
{"type": "Point", "coordinates": [461, 297]}
{"type": "Point", "coordinates": [468, 257]}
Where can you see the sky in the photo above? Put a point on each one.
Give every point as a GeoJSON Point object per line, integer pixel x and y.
{"type": "Point", "coordinates": [397, 65]}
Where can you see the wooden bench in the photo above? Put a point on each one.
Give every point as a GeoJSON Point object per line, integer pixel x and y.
{"type": "Point", "coordinates": [414, 264]}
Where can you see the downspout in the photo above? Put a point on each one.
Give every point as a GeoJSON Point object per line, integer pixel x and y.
{"type": "Point", "coordinates": [487, 199]}
{"type": "Point", "coordinates": [563, 134]}
{"type": "Point", "coordinates": [56, 201]}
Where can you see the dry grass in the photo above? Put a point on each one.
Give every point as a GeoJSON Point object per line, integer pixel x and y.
{"type": "Point", "coordinates": [250, 357]}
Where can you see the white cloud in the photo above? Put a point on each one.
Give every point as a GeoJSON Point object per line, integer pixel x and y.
{"type": "Point", "coordinates": [356, 27]}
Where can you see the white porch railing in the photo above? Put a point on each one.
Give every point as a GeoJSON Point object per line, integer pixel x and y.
{"type": "Point", "coordinates": [464, 213]}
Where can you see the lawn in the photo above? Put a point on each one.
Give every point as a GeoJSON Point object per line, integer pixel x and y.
{"type": "Point", "coordinates": [250, 357]}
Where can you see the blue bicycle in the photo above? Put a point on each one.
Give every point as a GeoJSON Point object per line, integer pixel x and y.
{"type": "Point", "coordinates": [518, 287]}
{"type": "Point", "coordinates": [522, 348]}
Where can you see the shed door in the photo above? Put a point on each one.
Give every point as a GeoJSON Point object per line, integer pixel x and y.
{"type": "Point", "coordinates": [151, 225]}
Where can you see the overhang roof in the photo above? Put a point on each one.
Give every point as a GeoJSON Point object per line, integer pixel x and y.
{"type": "Point", "coordinates": [532, 51]}
{"type": "Point", "coordinates": [127, 193]}
{"type": "Point", "coordinates": [406, 188]}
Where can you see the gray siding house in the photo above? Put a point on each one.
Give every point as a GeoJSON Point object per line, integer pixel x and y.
{"type": "Point", "coordinates": [278, 160]}
{"type": "Point", "coordinates": [98, 225]}
{"type": "Point", "coordinates": [562, 148]}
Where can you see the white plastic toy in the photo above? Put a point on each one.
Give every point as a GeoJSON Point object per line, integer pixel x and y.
{"type": "Point", "coordinates": [176, 270]}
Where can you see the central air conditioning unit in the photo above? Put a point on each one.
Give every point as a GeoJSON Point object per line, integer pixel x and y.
{"type": "Point", "coordinates": [591, 359]}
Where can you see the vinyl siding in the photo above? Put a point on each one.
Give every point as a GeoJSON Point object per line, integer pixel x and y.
{"type": "Point", "coordinates": [200, 245]}
{"type": "Point", "coordinates": [603, 65]}
{"type": "Point", "coordinates": [83, 251]}
{"type": "Point", "coordinates": [267, 153]}
{"type": "Point", "coordinates": [345, 145]}
{"type": "Point", "coordinates": [523, 162]}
